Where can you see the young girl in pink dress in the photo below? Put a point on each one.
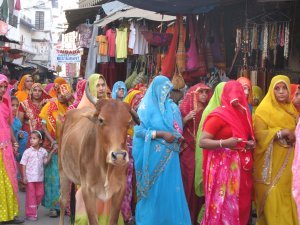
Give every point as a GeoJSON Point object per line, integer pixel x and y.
{"type": "Point", "coordinates": [33, 161]}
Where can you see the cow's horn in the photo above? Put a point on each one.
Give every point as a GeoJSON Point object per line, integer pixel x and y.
{"type": "Point", "coordinates": [88, 94]}
{"type": "Point", "coordinates": [135, 117]}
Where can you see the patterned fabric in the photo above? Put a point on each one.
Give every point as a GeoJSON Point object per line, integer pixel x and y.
{"type": "Point", "coordinates": [159, 184]}
{"type": "Point", "coordinates": [34, 161]}
{"type": "Point", "coordinates": [296, 171]}
{"type": "Point", "coordinates": [8, 180]}
{"type": "Point", "coordinates": [78, 94]}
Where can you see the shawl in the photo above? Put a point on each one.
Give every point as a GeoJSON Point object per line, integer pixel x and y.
{"type": "Point", "coordinates": [188, 104]}
{"type": "Point", "coordinates": [22, 93]}
{"type": "Point", "coordinates": [213, 103]}
{"type": "Point", "coordinates": [78, 94]}
{"type": "Point", "coordinates": [117, 85]}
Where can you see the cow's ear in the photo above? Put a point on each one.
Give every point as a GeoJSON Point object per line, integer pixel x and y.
{"type": "Point", "coordinates": [133, 114]}
{"type": "Point", "coordinates": [92, 116]}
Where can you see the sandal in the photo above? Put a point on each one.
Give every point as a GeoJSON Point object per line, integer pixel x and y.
{"type": "Point", "coordinates": [53, 213]}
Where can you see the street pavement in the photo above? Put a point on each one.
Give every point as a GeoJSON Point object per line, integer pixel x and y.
{"type": "Point", "coordinates": [43, 218]}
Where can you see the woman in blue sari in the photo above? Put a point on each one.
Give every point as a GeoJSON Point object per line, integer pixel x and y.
{"type": "Point", "coordinates": [119, 91]}
{"type": "Point", "coordinates": [156, 146]}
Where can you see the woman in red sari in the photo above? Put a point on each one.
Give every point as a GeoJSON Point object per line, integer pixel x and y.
{"type": "Point", "coordinates": [228, 140]}
{"type": "Point", "coordinates": [295, 96]}
{"type": "Point", "coordinates": [31, 107]}
{"type": "Point", "coordinates": [191, 109]}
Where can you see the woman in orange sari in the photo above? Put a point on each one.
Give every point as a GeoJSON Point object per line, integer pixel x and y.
{"type": "Point", "coordinates": [191, 109]}
{"type": "Point", "coordinates": [52, 115]}
{"type": "Point", "coordinates": [24, 87]}
{"type": "Point", "coordinates": [55, 88]}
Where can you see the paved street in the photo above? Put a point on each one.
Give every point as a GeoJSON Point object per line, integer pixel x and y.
{"type": "Point", "coordinates": [43, 218]}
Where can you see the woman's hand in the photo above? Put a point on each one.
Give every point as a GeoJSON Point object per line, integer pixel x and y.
{"type": "Point", "coordinates": [25, 180]}
{"type": "Point", "coordinates": [288, 135]}
{"type": "Point", "coordinates": [189, 116]}
{"type": "Point", "coordinates": [250, 144]}
{"type": "Point", "coordinates": [169, 137]}
{"type": "Point", "coordinates": [231, 142]}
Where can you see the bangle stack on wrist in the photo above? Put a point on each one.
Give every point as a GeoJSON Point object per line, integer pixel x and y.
{"type": "Point", "coordinates": [279, 134]}
{"type": "Point", "coordinates": [153, 135]}
{"type": "Point", "coordinates": [220, 143]}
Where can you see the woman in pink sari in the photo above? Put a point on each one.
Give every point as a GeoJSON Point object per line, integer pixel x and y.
{"type": "Point", "coordinates": [296, 171]}
{"type": "Point", "coordinates": [9, 207]}
{"type": "Point", "coordinates": [228, 140]}
{"type": "Point", "coordinates": [191, 110]}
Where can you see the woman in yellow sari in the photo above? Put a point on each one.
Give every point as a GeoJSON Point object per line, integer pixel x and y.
{"type": "Point", "coordinates": [274, 125]}
{"type": "Point", "coordinates": [52, 115]}
{"type": "Point", "coordinates": [24, 87]}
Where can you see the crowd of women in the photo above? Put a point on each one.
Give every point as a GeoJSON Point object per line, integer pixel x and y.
{"type": "Point", "coordinates": [215, 158]}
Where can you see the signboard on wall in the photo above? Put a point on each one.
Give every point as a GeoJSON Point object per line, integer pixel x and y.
{"type": "Point", "coordinates": [68, 56]}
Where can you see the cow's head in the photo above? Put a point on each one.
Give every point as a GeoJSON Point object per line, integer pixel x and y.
{"type": "Point", "coordinates": [113, 118]}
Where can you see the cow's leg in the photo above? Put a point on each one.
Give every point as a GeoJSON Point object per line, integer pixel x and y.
{"type": "Point", "coordinates": [90, 205]}
{"type": "Point", "coordinates": [64, 195]}
{"type": "Point", "coordinates": [117, 199]}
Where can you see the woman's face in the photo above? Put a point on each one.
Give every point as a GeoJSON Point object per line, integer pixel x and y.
{"type": "Point", "coordinates": [37, 93]}
{"type": "Point", "coordinates": [296, 99]}
{"type": "Point", "coordinates": [281, 92]}
{"type": "Point", "coordinates": [203, 95]}
{"type": "Point", "coordinates": [101, 88]}
{"type": "Point", "coordinates": [246, 91]}
{"type": "Point", "coordinates": [61, 98]}
{"type": "Point", "coordinates": [120, 93]}
{"type": "Point", "coordinates": [3, 88]}
{"type": "Point", "coordinates": [28, 83]}
{"type": "Point", "coordinates": [14, 106]}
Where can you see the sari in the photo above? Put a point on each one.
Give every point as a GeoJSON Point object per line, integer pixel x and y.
{"type": "Point", "coordinates": [117, 85]}
{"type": "Point", "coordinates": [53, 114]}
{"type": "Point", "coordinates": [187, 151]}
{"type": "Point", "coordinates": [273, 159]}
{"type": "Point", "coordinates": [246, 82]}
{"type": "Point", "coordinates": [32, 120]}
{"type": "Point", "coordinates": [295, 171]}
{"type": "Point", "coordinates": [213, 103]}
{"type": "Point", "coordinates": [9, 207]}
{"type": "Point", "coordinates": [160, 193]}
{"type": "Point", "coordinates": [22, 93]}
{"type": "Point", "coordinates": [227, 173]}
{"type": "Point", "coordinates": [103, 208]}
{"type": "Point", "coordinates": [257, 97]}
{"type": "Point", "coordinates": [78, 94]}
{"type": "Point", "coordinates": [294, 89]}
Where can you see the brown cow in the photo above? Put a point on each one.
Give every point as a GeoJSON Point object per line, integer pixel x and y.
{"type": "Point", "coordinates": [93, 154]}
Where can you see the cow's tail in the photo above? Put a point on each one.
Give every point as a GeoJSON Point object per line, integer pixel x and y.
{"type": "Point", "coordinates": [72, 204]}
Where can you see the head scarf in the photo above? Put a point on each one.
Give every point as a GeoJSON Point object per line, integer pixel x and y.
{"type": "Point", "coordinates": [257, 94]}
{"type": "Point", "coordinates": [246, 82]}
{"type": "Point", "coordinates": [93, 80]}
{"type": "Point", "coordinates": [44, 93]}
{"type": "Point", "coordinates": [22, 93]}
{"type": "Point", "coordinates": [213, 103]}
{"type": "Point", "coordinates": [49, 87]}
{"type": "Point", "coordinates": [117, 85]}
{"type": "Point", "coordinates": [6, 96]}
{"type": "Point", "coordinates": [55, 88]}
{"type": "Point", "coordinates": [190, 103]}
{"type": "Point", "coordinates": [240, 122]}
{"type": "Point", "coordinates": [294, 89]}
{"type": "Point", "coordinates": [80, 86]}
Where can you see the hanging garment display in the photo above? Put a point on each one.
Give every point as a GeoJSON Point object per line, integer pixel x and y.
{"type": "Point", "coordinates": [181, 52]}
{"type": "Point", "coordinates": [121, 43]}
{"type": "Point", "coordinates": [192, 62]}
{"type": "Point", "coordinates": [85, 32]}
{"type": "Point", "coordinates": [286, 41]}
{"type": "Point", "coordinates": [111, 38]}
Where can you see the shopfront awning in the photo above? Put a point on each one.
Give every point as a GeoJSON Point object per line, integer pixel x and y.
{"type": "Point", "coordinates": [78, 16]}
{"type": "Point", "coordinates": [174, 7]}
{"type": "Point", "coordinates": [3, 38]}
{"type": "Point", "coordinates": [132, 12]}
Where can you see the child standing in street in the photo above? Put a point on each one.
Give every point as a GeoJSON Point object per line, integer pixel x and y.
{"type": "Point", "coordinates": [33, 161]}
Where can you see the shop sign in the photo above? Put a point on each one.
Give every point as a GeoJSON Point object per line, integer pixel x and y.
{"type": "Point", "coordinates": [3, 27]}
{"type": "Point", "coordinates": [65, 58]}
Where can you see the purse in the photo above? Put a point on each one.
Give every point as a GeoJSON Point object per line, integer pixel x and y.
{"type": "Point", "coordinates": [192, 54]}
{"type": "Point", "coordinates": [177, 80]}
{"type": "Point", "coordinates": [157, 38]}
{"type": "Point", "coordinates": [133, 75]}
